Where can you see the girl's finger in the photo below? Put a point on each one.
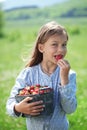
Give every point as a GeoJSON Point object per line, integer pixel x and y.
{"type": "Point", "coordinates": [63, 63]}
{"type": "Point", "coordinates": [37, 110]}
{"type": "Point", "coordinates": [27, 99]}
{"type": "Point", "coordinates": [38, 107]}
{"type": "Point", "coordinates": [35, 103]}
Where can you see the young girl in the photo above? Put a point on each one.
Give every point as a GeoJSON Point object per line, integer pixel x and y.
{"type": "Point", "coordinates": [47, 67]}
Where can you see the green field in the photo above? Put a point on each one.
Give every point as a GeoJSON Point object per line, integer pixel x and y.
{"type": "Point", "coordinates": [17, 44]}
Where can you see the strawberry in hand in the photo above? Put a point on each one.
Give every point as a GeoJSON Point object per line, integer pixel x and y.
{"type": "Point", "coordinates": [58, 57]}
{"type": "Point", "coordinates": [64, 71]}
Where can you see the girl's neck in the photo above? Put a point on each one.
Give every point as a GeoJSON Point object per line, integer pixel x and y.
{"type": "Point", "coordinates": [48, 68]}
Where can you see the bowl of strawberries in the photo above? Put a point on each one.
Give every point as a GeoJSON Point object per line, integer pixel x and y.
{"type": "Point", "coordinates": [38, 92]}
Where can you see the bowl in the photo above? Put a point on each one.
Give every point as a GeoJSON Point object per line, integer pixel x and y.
{"type": "Point", "coordinates": [47, 98]}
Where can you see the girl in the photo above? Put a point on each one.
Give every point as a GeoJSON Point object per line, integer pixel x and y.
{"type": "Point", "coordinates": [47, 67]}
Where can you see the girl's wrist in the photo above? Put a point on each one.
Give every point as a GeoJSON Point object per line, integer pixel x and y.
{"type": "Point", "coordinates": [64, 82]}
{"type": "Point", "coordinates": [16, 111]}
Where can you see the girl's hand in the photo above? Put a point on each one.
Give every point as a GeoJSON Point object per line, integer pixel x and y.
{"type": "Point", "coordinates": [64, 71]}
{"type": "Point", "coordinates": [33, 108]}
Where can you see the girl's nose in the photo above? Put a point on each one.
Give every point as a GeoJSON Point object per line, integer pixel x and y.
{"type": "Point", "coordinates": [60, 49]}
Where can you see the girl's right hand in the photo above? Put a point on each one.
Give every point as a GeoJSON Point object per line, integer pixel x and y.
{"type": "Point", "coordinates": [33, 108]}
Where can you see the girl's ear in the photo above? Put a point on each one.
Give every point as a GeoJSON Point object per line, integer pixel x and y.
{"type": "Point", "coordinates": [41, 47]}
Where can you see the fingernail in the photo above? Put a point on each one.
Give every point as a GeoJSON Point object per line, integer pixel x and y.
{"type": "Point", "coordinates": [41, 101]}
{"type": "Point", "coordinates": [43, 105]}
{"type": "Point", "coordinates": [30, 98]}
{"type": "Point", "coordinates": [42, 109]}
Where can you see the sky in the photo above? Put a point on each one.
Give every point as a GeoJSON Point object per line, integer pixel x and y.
{"type": "Point", "coordinates": [8, 4]}
{"type": "Point", "coordinates": [1, 0]}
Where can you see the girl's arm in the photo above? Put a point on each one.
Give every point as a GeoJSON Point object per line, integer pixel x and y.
{"type": "Point", "coordinates": [14, 108]}
{"type": "Point", "coordinates": [68, 94]}
{"type": "Point", "coordinates": [19, 84]}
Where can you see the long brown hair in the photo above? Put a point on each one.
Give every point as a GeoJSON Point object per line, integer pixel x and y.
{"type": "Point", "coordinates": [45, 32]}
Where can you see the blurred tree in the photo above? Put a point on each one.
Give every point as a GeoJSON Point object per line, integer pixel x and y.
{"type": "Point", "coordinates": [1, 21]}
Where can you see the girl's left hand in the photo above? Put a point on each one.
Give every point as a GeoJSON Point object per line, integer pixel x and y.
{"type": "Point", "coordinates": [64, 71]}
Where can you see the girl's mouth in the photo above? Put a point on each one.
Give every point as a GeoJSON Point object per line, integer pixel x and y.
{"type": "Point", "coordinates": [58, 57]}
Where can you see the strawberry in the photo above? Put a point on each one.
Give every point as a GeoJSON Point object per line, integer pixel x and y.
{"type": "Point", "coordinates": [34, 92]}
{"type": "Point", "coordinates": [27, 93]}
{"type": "Point", "coordinates": [38, 85]}
{"type": "Point", "coordinates": [41, 92]}
{"type": "Point", "coordinates": [22, 92]}
{"type": "Point", "coordinates": [31, 91]}
{"type": "Point", "coordinates": [36, 89]}
{"type": "Point", "coordinates": [32, 87]}
{"type": "Point", "coordinates": [58, 57]}
{"type": "Point", "coordinates": [27, 88]}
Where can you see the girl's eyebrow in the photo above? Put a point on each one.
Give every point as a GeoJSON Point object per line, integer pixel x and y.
{"type": "Point", "coordinates": [58, 41]}
{"type": "Point", "coordinates": [65, 42]}
{"type": "Point", "coordinates": [55, 41]}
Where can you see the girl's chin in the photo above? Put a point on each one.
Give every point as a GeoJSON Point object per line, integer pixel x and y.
{"type": "Point", "coordinates": [55, 62]}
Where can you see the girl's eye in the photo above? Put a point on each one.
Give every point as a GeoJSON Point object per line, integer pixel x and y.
{"type": "Point", "coordinates": [55, 44]}
{"type": "Point", "coordinates": [64, 45]}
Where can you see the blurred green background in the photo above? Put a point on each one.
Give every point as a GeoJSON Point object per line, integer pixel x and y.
{"type": "Point", "coordinates": [18, 31]}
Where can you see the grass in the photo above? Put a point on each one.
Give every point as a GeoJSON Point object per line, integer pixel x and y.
{"type": "Point", "coordinates": [17, 43]}
{"type": "Point", "coordinates": [77, 56]}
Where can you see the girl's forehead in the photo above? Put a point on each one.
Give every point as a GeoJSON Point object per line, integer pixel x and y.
{"type": "Point", "coordinates": [56, 37]}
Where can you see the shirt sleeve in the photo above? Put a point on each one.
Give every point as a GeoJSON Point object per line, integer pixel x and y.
{"type": "Point", "coordinates": [21, 81]}
{"type": "Point", "coordinates": [68, 95]}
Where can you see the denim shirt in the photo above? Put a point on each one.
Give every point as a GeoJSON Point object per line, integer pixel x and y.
{"type": "Point", "coordinates": [64, 98]}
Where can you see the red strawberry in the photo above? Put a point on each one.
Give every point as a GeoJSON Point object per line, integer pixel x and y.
{"type": "Point", "coordinates": [41, 92]}
{"type": "Point", "coordinates": [58, 57]}
{"type": "Point", "coordinates": [27, 92]}
{"type": "Point", "coordinates": [31, 91]}
{"type": "Point", "coordinates": [35, 92]}
{"type": "Point", "coordinates": [27, 88]}
{"type": "Point", "coordinates": [38, 85]}
{"type": "Point", "coordinates": [22, 92]}
{"type": "Point", "coordinates": [32, 87]}
{"type": "Point", "coordinates": [36, 89]}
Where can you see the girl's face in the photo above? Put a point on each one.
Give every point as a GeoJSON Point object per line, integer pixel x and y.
{"type": "Point", "coordinates": [54, 46]}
